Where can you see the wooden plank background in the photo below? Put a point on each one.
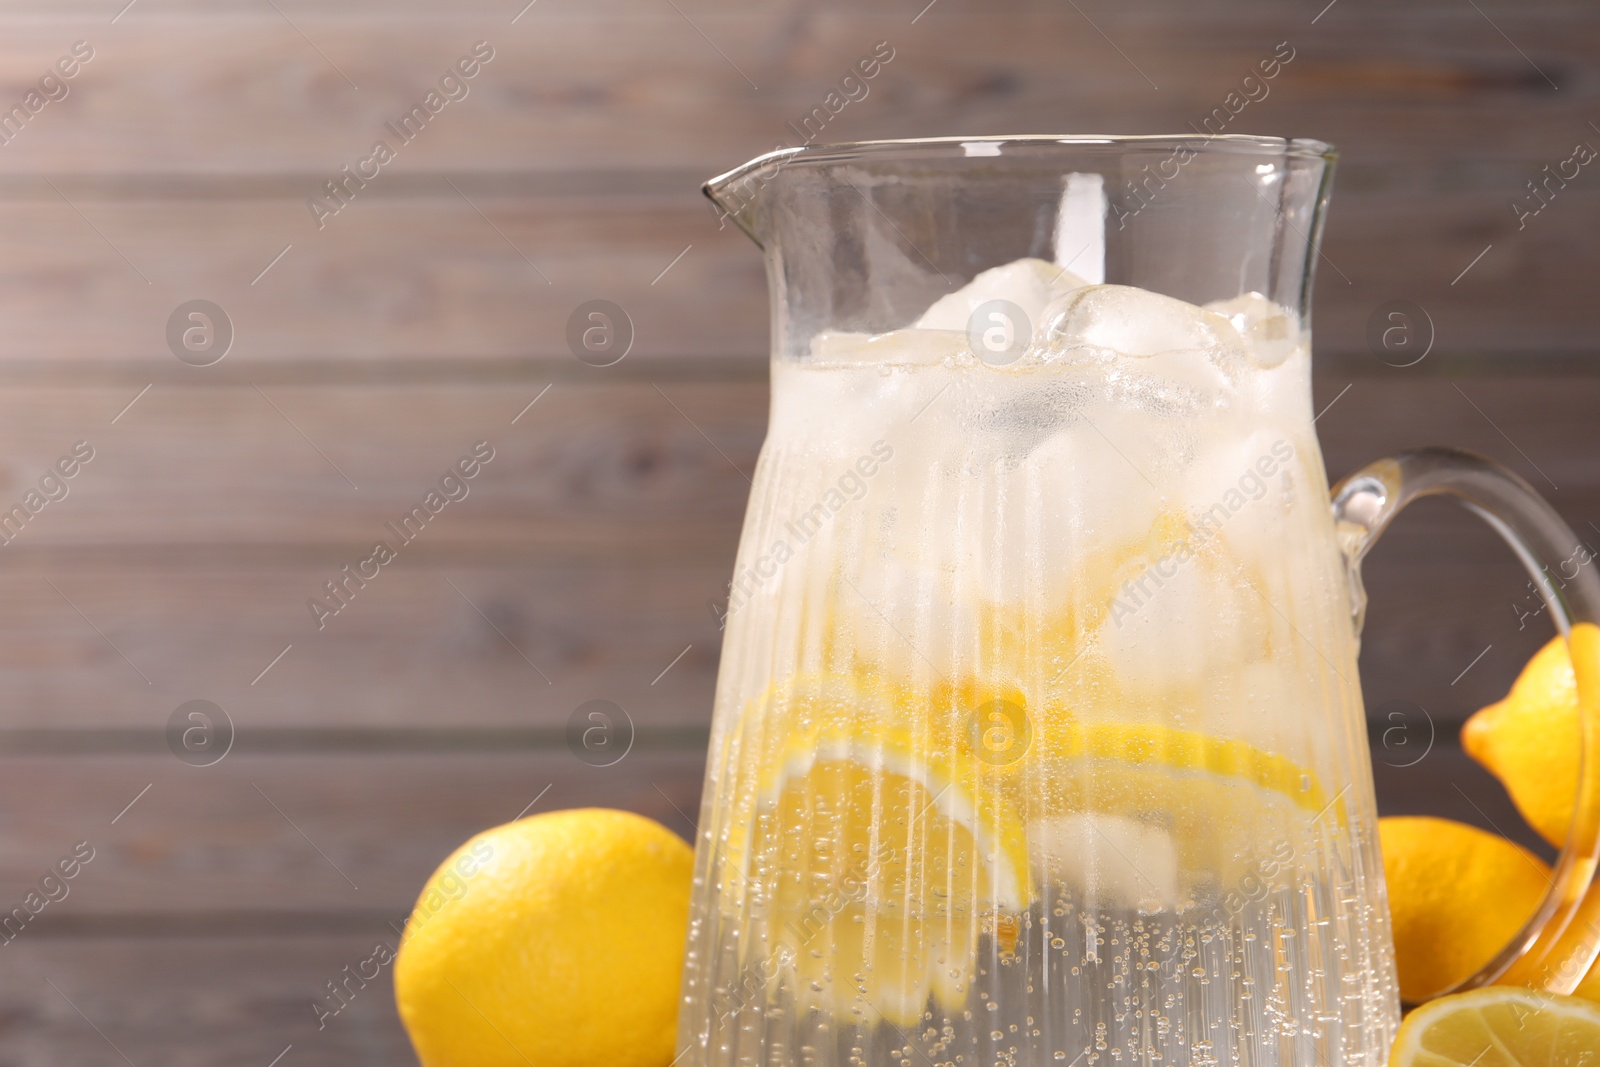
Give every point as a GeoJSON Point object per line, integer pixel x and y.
{"type": "Point", "coordinates": [426, 316]}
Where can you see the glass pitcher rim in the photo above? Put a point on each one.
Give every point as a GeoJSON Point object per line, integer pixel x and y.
{"type": "Point", "coordinates": [1244, 144]}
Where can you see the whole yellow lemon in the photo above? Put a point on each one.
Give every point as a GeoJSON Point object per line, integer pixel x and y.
{"type": "Point", "coordinates": [556, 940]}
{"type": "Point", "coordinates": [1531, 741]}
{"type": "Point", "coordinates": [1457, 895]}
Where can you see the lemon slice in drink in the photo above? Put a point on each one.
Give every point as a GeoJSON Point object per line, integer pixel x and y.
{"type": "Point", "coordinates": [884, 840]}
{"type": "Point", "coordinates": [1150, 817]}
{"type": "Point", "coordinates": [887, 866]}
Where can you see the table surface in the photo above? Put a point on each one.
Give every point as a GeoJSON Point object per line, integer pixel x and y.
{"type": "Point", "coordinates": [429, 313]}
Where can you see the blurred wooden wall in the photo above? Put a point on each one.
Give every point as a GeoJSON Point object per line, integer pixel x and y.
{"type": "Point", "coordinates": [427, 315]}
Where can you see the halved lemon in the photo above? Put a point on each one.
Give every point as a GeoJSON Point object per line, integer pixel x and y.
{"type": "Point", "coordinates": [1500, 1026]}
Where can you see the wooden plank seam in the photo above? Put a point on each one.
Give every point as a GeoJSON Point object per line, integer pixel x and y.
{"type": "Point", "coordinates": [454, 85]}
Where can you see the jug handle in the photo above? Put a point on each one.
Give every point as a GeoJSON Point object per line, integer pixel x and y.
{"type": "Point", "coordinates": [1560, 942]}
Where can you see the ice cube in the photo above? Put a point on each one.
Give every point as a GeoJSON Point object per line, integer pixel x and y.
{"type": "Point", "coordinates": [897, 347]}
{"type": "Point", "coordinates": [1185, 359]}
{"type": "Point", "coordinates": [1031, 284]}
{"type": "Point", "coordinates": [1271, 332]}
{"type": "Point", "coordinates": [1109, 859]}
{"type": "Point", "coordinates": [839, 407]}
{"type": "Point", "coordinates": [1263, 702]}
{"type": "Point", "coordinates": [1184, 609]}
{"type": "Point", "coordinates": [1019, 413]}
{"type": "Point", "coordinates": [941, 332]}
{"type": "Point", "coordinates": [1136, 322]}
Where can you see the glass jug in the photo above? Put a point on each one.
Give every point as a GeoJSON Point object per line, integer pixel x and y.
{"type": "Point", "coordinates": [1038, 737]}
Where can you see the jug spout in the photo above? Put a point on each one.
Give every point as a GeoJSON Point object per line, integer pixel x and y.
{"type": "Point", "coordinates": [737, 194]}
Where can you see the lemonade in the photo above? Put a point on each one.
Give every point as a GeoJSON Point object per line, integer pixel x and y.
{"type": "Point", "coordinates": [1037, 698]}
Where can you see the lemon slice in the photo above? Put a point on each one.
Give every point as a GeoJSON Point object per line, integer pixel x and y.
{"type": "Point", "coordinates": [884, 830]}
{"type": "Point", "coordinates": [1194, 756]}
{"type": "Point", "coordinates": [1190, 817]}
{"type": "Point", "coordinates": [1500, 1027]}
{"type": "Point", "coordinates": [1218, 799]}
{"type": "Point", "coordinates": [887, 867]}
